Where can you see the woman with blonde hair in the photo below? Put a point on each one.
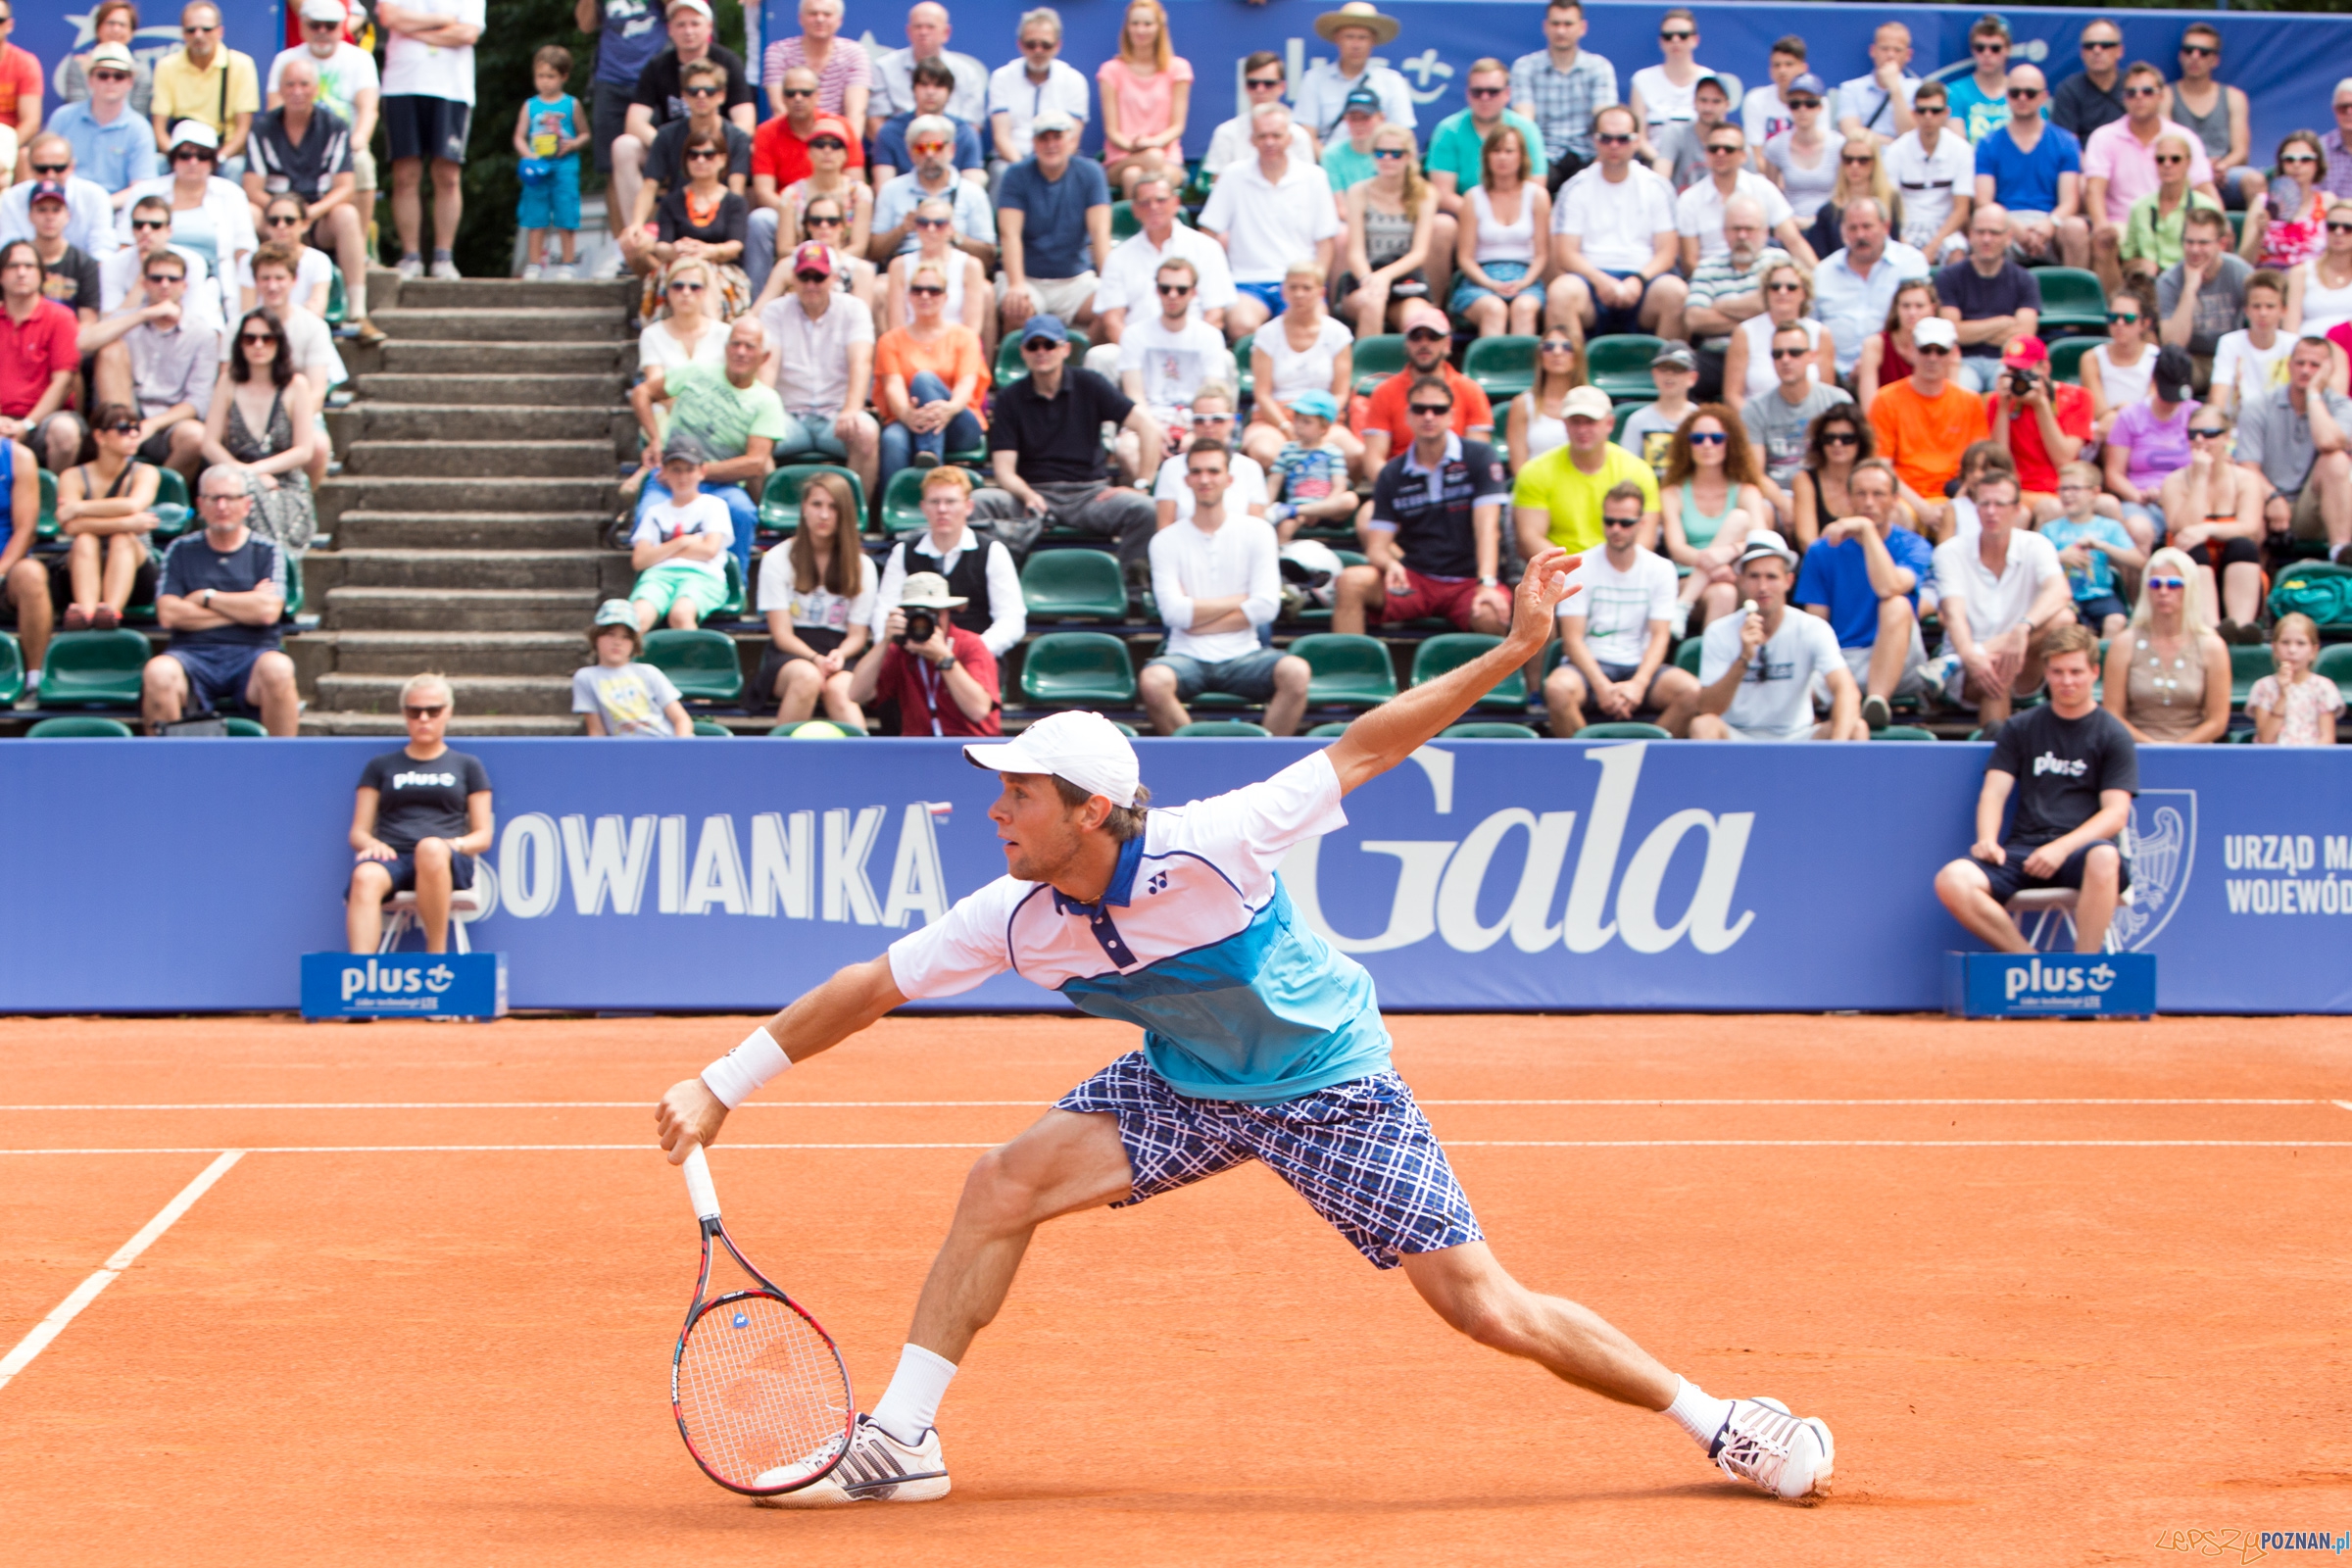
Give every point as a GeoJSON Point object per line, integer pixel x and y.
{"type": "Point", "coordinates": [1537, 418]}
{"type": "Point", "coordinates": [2167, 676]}
{"type": "Point", "coordinates": [968, 297]}
{"type": "Point", "coordinates": [1747, 370]}
{"type": "Point", "coordinates": [1498, 260]}
{"type": "Point", "coordinates": [1388, 222]}
{"type": "Point", "coordinates": [816, 590]}
{"type": "Point", "coordinates": [1860, 172]}
{"type": "Point", "coordinates": [1147, 92]}
{"type": "Point", "coordinates": [685, 335]}
{"type": "Point", "coordinates": [1886, 355]}
{"type": "Point", "coordinates": [1712, 496]}
{"type": "Point", "coordinates": [930, 377]}
{"type": "Point", "coordinates": [1302, 350]}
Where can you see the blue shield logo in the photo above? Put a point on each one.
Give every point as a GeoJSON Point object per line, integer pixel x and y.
{"type": "Point", "coordinates": [2162, 844]}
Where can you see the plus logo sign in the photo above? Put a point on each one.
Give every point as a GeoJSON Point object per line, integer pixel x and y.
{"type": "Point", "coordinates": [1423, 68]}
{"type": "Point", "coordinates": [1159, 883]}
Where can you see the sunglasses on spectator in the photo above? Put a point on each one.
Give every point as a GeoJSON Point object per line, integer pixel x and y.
{"type": "Point", "coordinates": [1931, 109]}
{"type": "Point", "coordinates": [124, 427]}
{"type": "Point", "coordinates": [796, 92]}
{"type": "Point", "coordinates": [435, 711]}
{"type": "Point", "coordinates": [1610, 138]}
{"type": "Point", "coordinates": [1426, 334]}
{"type": "Point", "coordinates": [815, 277]}
{"type": "Point", "coordinates": [1791, 354]}
{"type": "Point", "coordinates": [2102, 43]}
{"type": "Point", "coordinates": [1785, 288]}
{"type": "Point", "coordinates": [255, 337]}
{"type": "Point", "coordinates": [1213, 419]}
{"type": "Point", "coordinates": [1621, 522]}
{"type": "Point", "coordinates": [709, 91]}
{"type": "Point", "coordinates": [1388, 154]}
{"type": "Point", "coordinates": [2127, 317]}
{"type": "Point", "coordinates": [48, 171]}
{"type": "Point", "coordinates": [2298, 158]}
{"type": "Point", "coordinates": [927, 147]}
{"type": "Point", "coordinates": [275, 220]}
{"type": "Point", "coordinates": [150, 222]}
{"type": "Point", "coordinates": [2199, 49]}
{"type": "Point", "coordinates": [322, 27]}
{"type": "Point", "coordinates": [181, 155]}
{"type": "Point", "coordinates": [1804, 102]}
{"type": "Point", "coordinates": [833, 221]}
{"type": "Point", "coordinates": [1556, 345]}
{"type": "Point", "coordinates": [685, 285]}
{"type": "Point", "coordinates": [189, 26]}
{"type": "Point", "coordinates": [2207, 432]}
{"type": "Point", "coordinates": [1261, 81]}
{"type": "Point", "coordinates": [927, 222]}
{"type": "Point", "coordinates": [2141, 93]}
{"type": "Point", "coordinates": [926, 288]}
{"type": "Point", "coordinates": [2021, 94]}
{"type": "Point", "coordinates": [2334, 228]}
{"type": "Point", "coordinates": [703, 155]}
{"type": "Point", "coordinates": [1425, 411]}
{"type": "Point", "coordinates": [1725, 147]}
{"type": "Point", "coordinates": [1930, 347]}
{"type": "Point", "coordinates": [1840, 438]}
{"type": "Point", "coordinates": [166, 277]}
{"type": "Point", "coordinates": [828, 144]}
{"type": "Point", "coordinates": [1709, 438]}
{"type": "Point", "coordinates": [1173, 290]}
{"type": "Point", "coordinates": [2167, 584]}
{"type": "Point", "coordinates": [1680, 36]}
{"type": "Point", "coordinates": [1988, 46]}
{"type": "Point", "coordinates": [2172, 158]}
{"type": "Point", "coordinates": [1859, 160]}
{"type": "Point", "coordinates": [110, 76]}
{"type": "Point", "coordinates": [1488, 93]}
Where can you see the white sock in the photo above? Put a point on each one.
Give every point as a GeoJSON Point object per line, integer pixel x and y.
{"type": "Point", "coordinates": [1693, 1409]}
{"type": "Point", "coordinates": [909, 1406]}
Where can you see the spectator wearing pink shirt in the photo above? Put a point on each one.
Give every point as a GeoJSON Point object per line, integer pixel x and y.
{"type": "Point", "coordinates": [844, 73]}
{"type": "Point", "coordinates": [1146, 91]}
{"type": "Point", "coordinates": [2118, 168]}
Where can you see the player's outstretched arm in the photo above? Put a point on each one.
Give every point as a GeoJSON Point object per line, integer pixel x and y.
{"type": "Point", "coordinates": [822, 1018]}
{"type": "Point", "coordinates": [1391, 732]}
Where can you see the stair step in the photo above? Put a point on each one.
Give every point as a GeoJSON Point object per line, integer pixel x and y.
{"type": "Point", "coordinates": [460, 652]}
{"type": "Point", "coordinates": [512, 293]}
{"type": "Point", "coordinates": [505, 325]}
{"type": "Point", "coordinates": [318, 722]}
{"type": "Point", "coordinates": [464, 357]}
{"type": "Point", "coordinates": [483, 460]}
{"type": "Point", "coordinates": [408, 493]}
{"type": "Point", "coordinates": [479, 695]}
{"type": "Point", "coordinates": [581, 570]}
{"type": "Point", "coordinates": [429, 420]}
{"type": "Point", "coordinates": [451, 610]}
{"type": "Point", "coordinates": [430, 389]}
{"type": "Point", "coordinates": [472, 530]}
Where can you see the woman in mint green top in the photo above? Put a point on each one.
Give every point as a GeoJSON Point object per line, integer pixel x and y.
{"type": "Point", "coordinates": [1712, 497]}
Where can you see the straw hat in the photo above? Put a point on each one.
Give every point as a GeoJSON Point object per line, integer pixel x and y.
{"type": "Point", "coordinates": [1358, 14]}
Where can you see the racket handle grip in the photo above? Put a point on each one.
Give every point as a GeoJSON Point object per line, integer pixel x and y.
{"type": "Point", "coordinates": [699, 1187]}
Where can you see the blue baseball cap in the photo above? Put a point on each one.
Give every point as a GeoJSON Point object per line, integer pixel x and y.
{"type": "Point", "coordinates": [1048, 328]}
{"type": "Point", "coordinates": [1810, 85]}
{"type": "Point", "coordinates": [1315, 405]}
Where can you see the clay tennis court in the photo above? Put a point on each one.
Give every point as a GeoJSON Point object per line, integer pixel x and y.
{"type": "Point", "coordinates": [2059, 1288]}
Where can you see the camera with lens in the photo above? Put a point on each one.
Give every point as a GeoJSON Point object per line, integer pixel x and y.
{"type": "Point", "coordinates": [2022, 383]}
{"type": "Point", "coordinates": [920, 625]}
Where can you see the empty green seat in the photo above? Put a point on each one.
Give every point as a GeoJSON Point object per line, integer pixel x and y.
{"type": "Point", "coordinates": [1623, 729]}
{"type": "Point", "coordinates": [717, 732]}
{"type": "Point", "coordinates": [2335, 664]}
{"type": "Point", "coordinates": [2246, 666]}
{"type": "Point", "coordinates": [902, 501]}
{"type": "Point", "coordinates": [1902, 732]}
{"type": "Point", "coordinates": [1347, 671]}
{"type": "Point", "coordinates": [1686, 655]}
{"type": "Point", "coordinates": [45, 527]}
{"type": "Point", "coordinates": [1229, 728]}
{"type": "Point", "coordinates": [1011, 366]}
{"type": "Point", "coordinates": [93, 670]}
{"type": "Point", "coordinates": [1337, 727]}
{"type": "Point", "coordinates": [1077, 669]}
{"type": "Point", "coordinates": [1438, 655]}
{"type": "Point", "coordinates": [1242, 365]}
{"type": "Point", "coordinates": [238, 724]}
{"type": "Point", "coordinates": [338, 298]}
{"type": "Point", "coordinates": [12, 670]}
{"type": "Point", "coordinates": [1377, 358]}
{"type": "Point", "coordinates": [1622, 416]}
{"type": "Point", "coordinates": [780, 498]}
{"type": "Point", "coordinates": [2065, 358]}
{"type": "Point", "coordinates": [1488, 729]}
{"type": "Point", "coordinates": [1502, 367]}
{"type": "Point", "coordinates": [701, 663]}
{"type": "Point", "coordinates": [1074, 585]}
{"type": "Point", "coordinates": [80, 729]}
{"type": "Point", "coordinates": [2071, 298]}
{"type": "Point", "coordinates": [1619, 364]}
{"type": "Point", "coordinates": [1124, 224]}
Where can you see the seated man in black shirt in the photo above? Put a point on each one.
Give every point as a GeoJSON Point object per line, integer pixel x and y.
{"type": "Point", "coordinates": [219, 595]}
{"type": "Point", "coordinates": [1435, 534]}
{"type": "Point", "coordinates": [421, 817]}
{"type": "Point", "coordinates": [1045, 439]}
{"type": "Point", "coordinates": [2074, 769]}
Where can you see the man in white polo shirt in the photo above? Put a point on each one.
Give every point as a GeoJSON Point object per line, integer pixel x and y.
{"type": "Point", "coordinates": [1615, 241]}
{"type": "Point", "coordinates": [1616, 630]}
{"type": "Point", "coordinates": [1267, 215]}
{"type": "Point", "coordinates": [1999, 594]}
{"type": "Point", "coordinates": [1217, 578]}
{"type": "Point", "coordinates": [1128, 275]}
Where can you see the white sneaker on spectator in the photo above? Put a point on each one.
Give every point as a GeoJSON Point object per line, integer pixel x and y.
{"type": "Point", "coordinates": [446, 270]}
{"type": "Point", "coordinates": [562, 273]}
{"type": "Point", "coordinates": [532, 272]}
{"type": "Point", "coordinates": [608, 266]}
{"type": "Point", "coordinates": [411, 266]}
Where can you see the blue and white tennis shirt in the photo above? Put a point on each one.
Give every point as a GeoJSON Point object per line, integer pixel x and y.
{"type": "Point", "coordinates": [1195, 940]}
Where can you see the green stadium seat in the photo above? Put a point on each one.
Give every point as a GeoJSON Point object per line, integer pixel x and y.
{"type": "Point", "coordinates": [2246, 666]}
{"type": "Point", "coordinates": [1502, 367]}
{"type": "Point", "coordinates": [2335, 664]}
{"type": "Point", "coordinates": [717, 732]}
{"type": "Point", "coordinates": [1348, 670]}
{"type": "Point", "coordinates": [1124, 728]}
{"type": "Point", "coordinates": [1622, 730]}
{"type": "Point", "coordinates": [12, 670]}
{"type": "Point", "coordinates": [1686, 655]}
{"type": "Point", "coordinates": [1619, 364]}
{"type": "Point", "coordinates": [1011, 368]}
{"type": "Point", "coordinates": [731, 607]}
{"type": "Point", "coordinates": [784, 732]}
{"type": "Point", "coordinates": [1337, 727]}
{"type": "Point", "coordinates": [1488, 730]}
{"type": "Point", "coordinates": [46, 525]}
{"type": "Point", "coordinates": [2066, 357]}
{"type": "Point", "coordinates": [80, 729]}
{"type": "Point", "coordinates": [902, 501]}
{"type": "Point", "coordinates": [293, 588]}
{"type": "Point", "coordinates": [780, 498]}
{"type": "Point", "coordinates": [1124, 224]}
{"type": "Point", "coordinates": [1074, 585]}
{"type": "Point", "coordinates": [2070, 300]}
{"type": "Point", "coordinates": [1077, 669]}
{"type": "Point", "coordinates": [1623, 416]}
{"type": "Point", "coordinates": [93, 670]}
{"type": "Point", "coordinates": [1438, 655]}
{"type": "Point", "coordinates": [245, 728]}
{"type": "Point", "coordinates": [1902, 732]}
{"type": "Point", "coordinates": [1377, 358]}
{"type": "Point", "coordinates": [338, 298]}
{"type": "Point", "coordinates": [1227, 728]}
{"type": "Point", "coordinates": [701, 663]}
{"type": "Point", "coordinates": [1248, 382]}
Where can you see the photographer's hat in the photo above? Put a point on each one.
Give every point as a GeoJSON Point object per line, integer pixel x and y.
{"type": "Point", "coordinates": [928, 590]}
{"type": "Point", "coordinates": [1086, 749]}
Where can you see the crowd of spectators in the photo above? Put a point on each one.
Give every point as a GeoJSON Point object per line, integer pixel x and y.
{"type": "Point", "coordinates": [1862, 409]}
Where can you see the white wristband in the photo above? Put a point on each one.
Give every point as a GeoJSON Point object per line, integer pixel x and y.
{"type": "Point", "coordinates": [733, 1076]}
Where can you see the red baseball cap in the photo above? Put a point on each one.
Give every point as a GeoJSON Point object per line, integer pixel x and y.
{"type": "Point", "coordinates": [832, 126]}
{"type": "Point", "coordinates": [2026, 351]}
{"type": "Point", "coordinates": [812, 258]}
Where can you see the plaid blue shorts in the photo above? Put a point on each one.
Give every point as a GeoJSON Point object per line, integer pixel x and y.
{"type": "Point", "coordinates": [1360, 1152]}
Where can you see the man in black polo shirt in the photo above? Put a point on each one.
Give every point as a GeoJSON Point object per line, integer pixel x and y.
{"type": "Point", "coordinates": [1045, 439]}
{"type": "Point", "coordinates": [1435, 536]}
{"type": "Point", "coordinates": [304, 149]}
{"type": "Point", "coordinates": [220, 596]}
{"type": "Point", "coordinates": [2074, 769]}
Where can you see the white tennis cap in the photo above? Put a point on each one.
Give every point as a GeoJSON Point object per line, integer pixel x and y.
{"type": "Point", "coordinates": [1086, 749]}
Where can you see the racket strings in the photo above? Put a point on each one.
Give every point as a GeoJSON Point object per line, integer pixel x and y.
{"type": "Point", "coordinates": [761, 1390]}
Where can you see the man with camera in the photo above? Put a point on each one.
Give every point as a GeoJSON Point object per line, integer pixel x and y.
{"type": "Point", "coordinates": [2042, 425]}
{"type": "Point", "coordinates": [942, 679]}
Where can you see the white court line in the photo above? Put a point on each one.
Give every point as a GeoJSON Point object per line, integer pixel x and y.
{"type": "Point", "coordinates": [1033, 1104]}
{"type": "Point", "coordinates": [1450, 1143]}
{"type": "Point", "coordinates": [50, 1326]}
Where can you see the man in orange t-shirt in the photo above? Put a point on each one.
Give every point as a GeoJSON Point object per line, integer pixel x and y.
{"type": "Point", "coordinates": [1385, 428]}
{"type": "Point", "coordinates": [1925, 422]}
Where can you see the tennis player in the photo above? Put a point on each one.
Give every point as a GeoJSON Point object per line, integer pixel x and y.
{"type": "Point", "coordinates": [1261, 1042]}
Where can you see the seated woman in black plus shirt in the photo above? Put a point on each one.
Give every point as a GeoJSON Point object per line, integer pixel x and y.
{"type": "Point", "coordinates": [421, 817]}
{"type": "Point", "coordinates": [699, 217]}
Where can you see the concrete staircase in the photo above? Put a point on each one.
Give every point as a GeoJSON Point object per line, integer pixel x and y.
{"type": "Point", "coordinates": [469, 520]}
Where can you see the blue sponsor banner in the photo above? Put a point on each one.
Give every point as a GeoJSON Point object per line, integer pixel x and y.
{"type": "Point", "coordinates": [2049, 985]}
{"type": "Point", "coordinates": [1481, 874]}
{"type": "Point", "coordinates": [2289, 62]}
{"type": "Point", "coordinates": [404, 985]}
{"type": "Point", "coordinates": [255, 28]}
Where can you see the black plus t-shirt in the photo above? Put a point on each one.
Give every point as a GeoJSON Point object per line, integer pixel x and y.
{"type": "Point", "coordinates": [1059, 439]}
{"type": "Point", "coordinates": [658, 90]}
{"type": "Point", "coordinates": [2061, 764]}
{"type": "Point", "coordinates": [1430, 510]}
{"type": "Point", "coordinates": [421, 799]}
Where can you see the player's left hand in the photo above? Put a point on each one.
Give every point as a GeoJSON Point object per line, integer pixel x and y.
{"type": "Point", "coordinates": [689, 1115]}
{"type": "Point", "coordinates": [2046, 861]}
{"type": "Point", "coordinates": [1543, 589]}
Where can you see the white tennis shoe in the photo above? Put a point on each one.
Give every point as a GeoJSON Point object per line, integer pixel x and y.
{"type": "Point", "coordinates": [1773, 1450]}
{"type": "Point", "coordinates": [878, 1468]}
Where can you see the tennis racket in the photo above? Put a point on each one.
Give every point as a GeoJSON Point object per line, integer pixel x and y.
{"type": "Point", "coordinates": [759, 1387]}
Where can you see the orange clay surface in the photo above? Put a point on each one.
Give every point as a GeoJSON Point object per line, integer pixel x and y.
{"type": "Point", "coordinates": [2039, 1347]}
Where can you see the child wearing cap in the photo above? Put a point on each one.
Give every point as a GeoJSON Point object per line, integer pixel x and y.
{"type": "Point", "coordinates": [1309, 477]}
{"type": "Point", "coordinates": [549, 133]}
{"type": "Point", "coordinates": [617, 694]}
{"type": "Point", "coordinates": [680, 546]}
